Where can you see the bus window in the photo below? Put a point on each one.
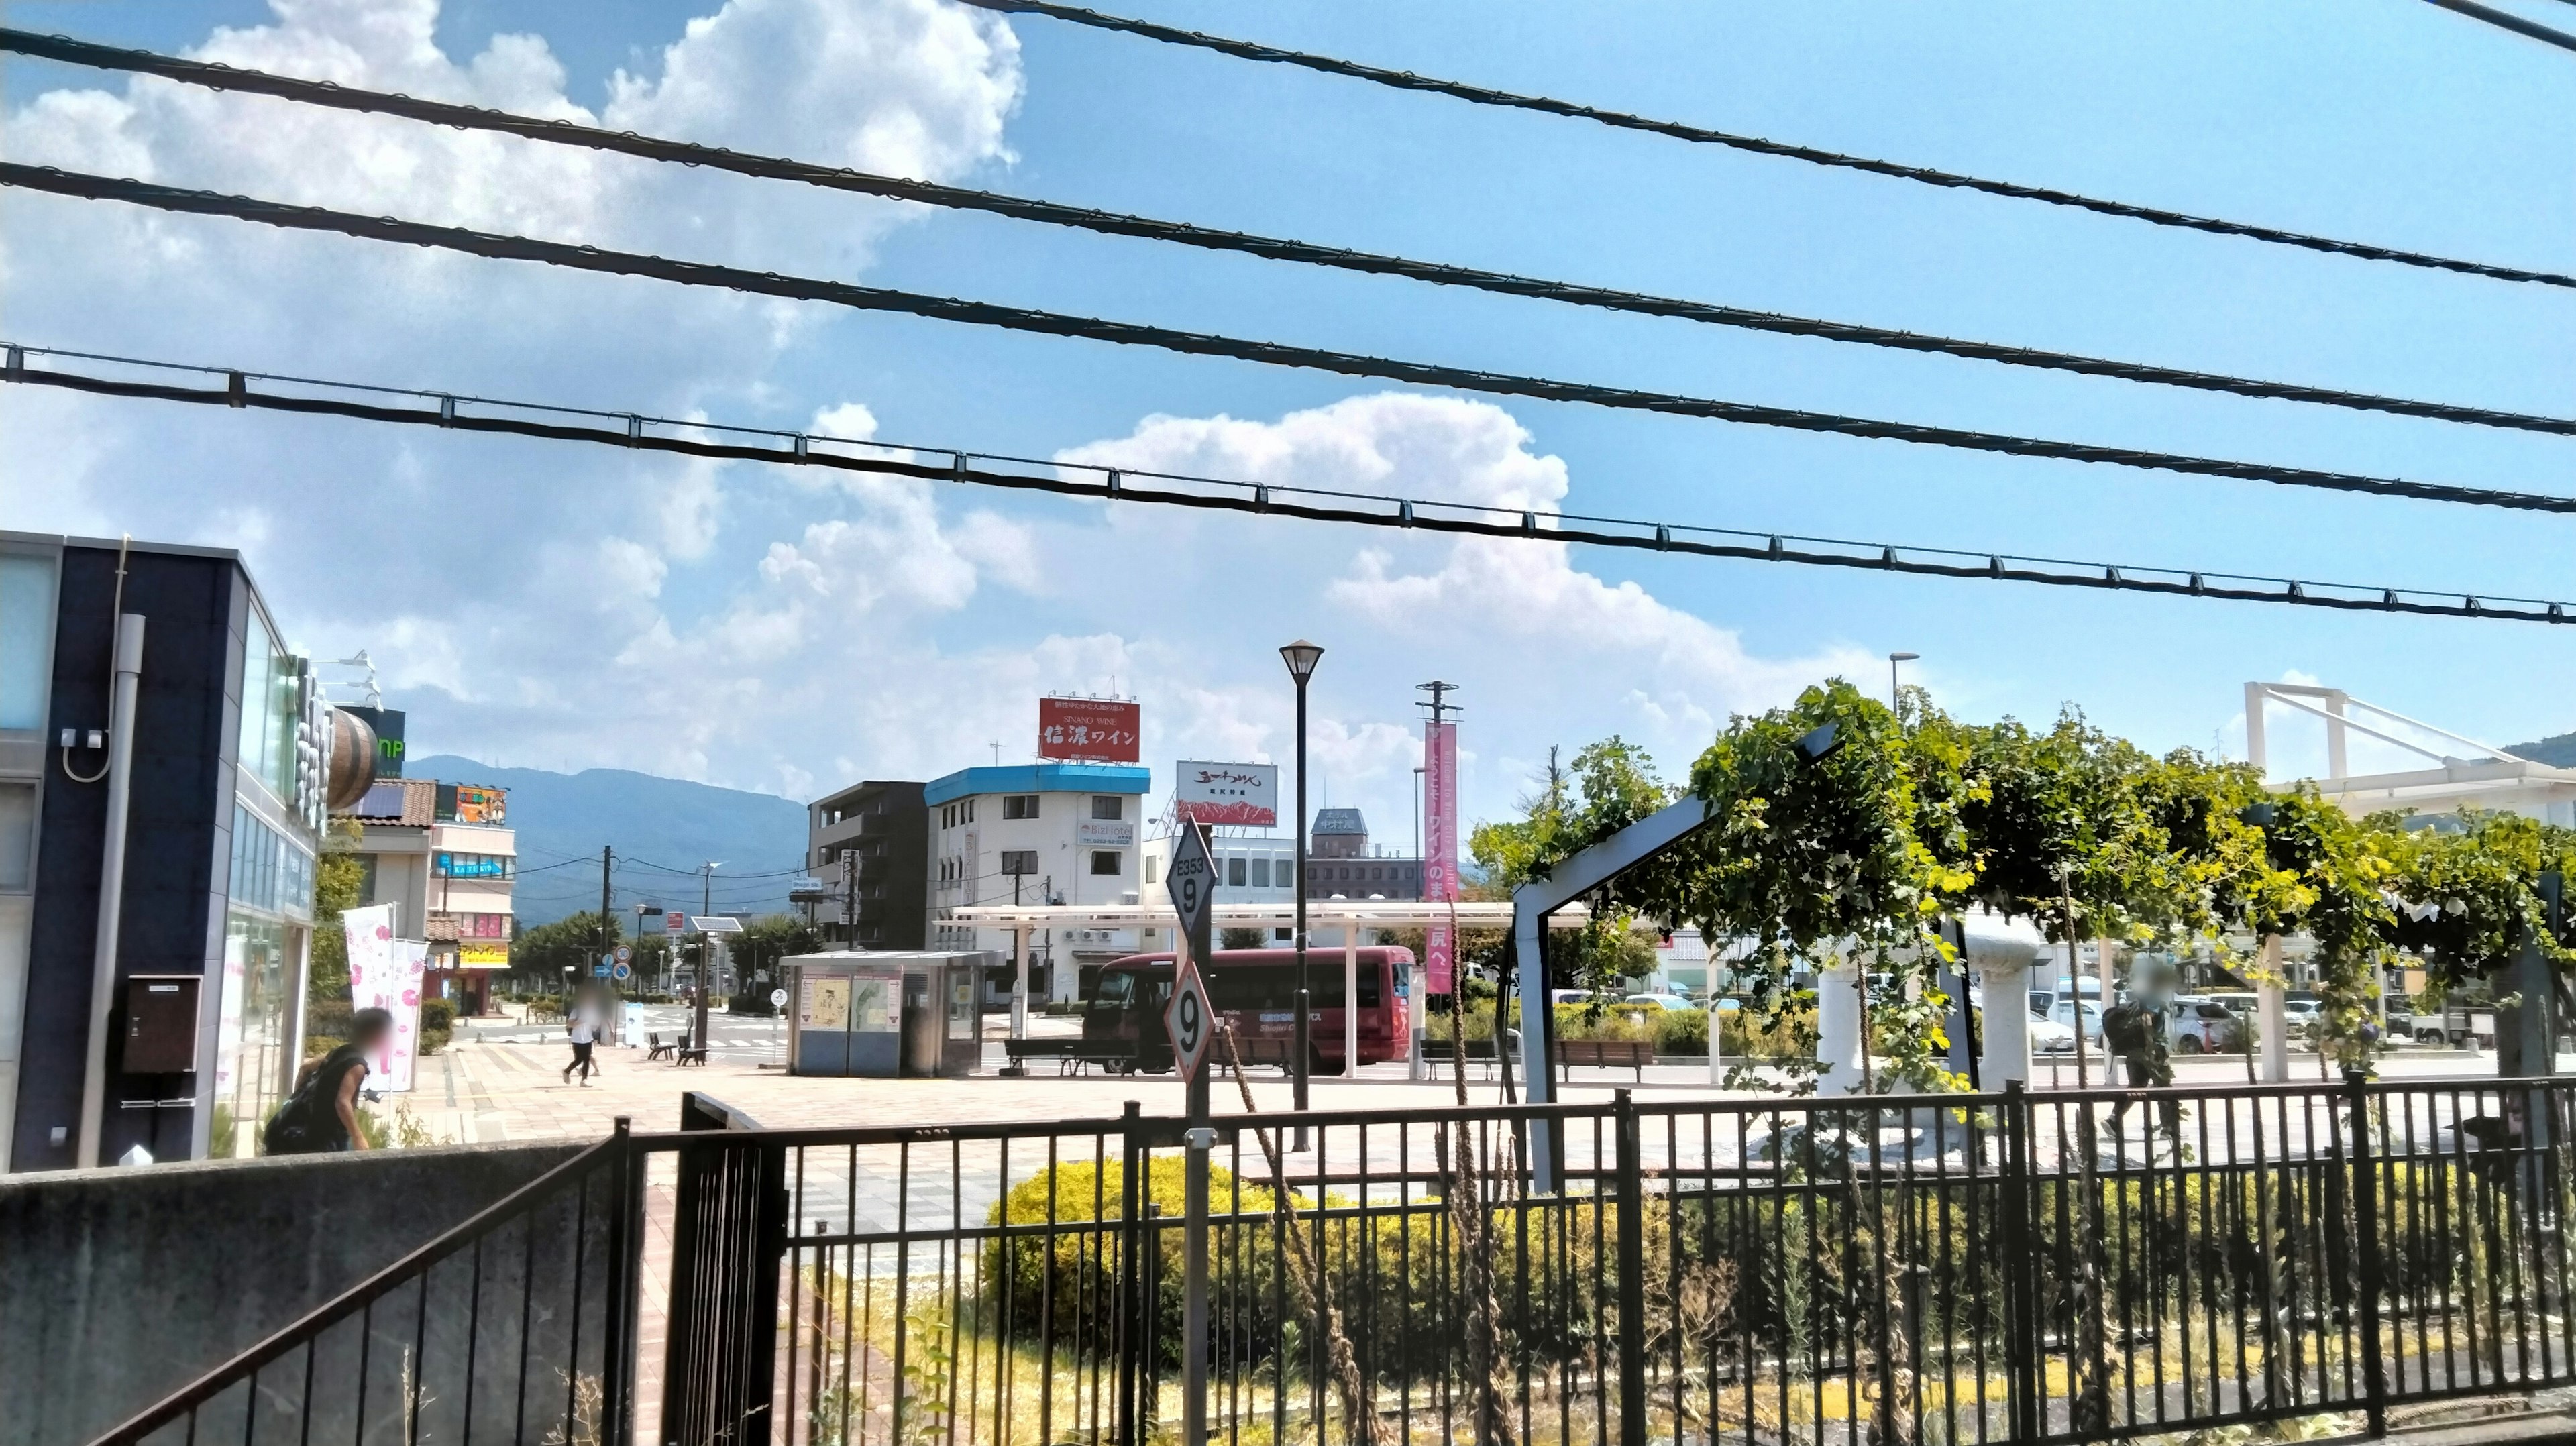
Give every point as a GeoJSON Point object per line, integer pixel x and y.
{"type": "Point", "coordinates": [1116, 989]}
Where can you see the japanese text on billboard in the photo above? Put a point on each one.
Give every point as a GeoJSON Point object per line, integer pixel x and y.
{"type": "Point", "coordinates": [1232, 793]}
{"type": "Point", "coordinates": [1099, 729]}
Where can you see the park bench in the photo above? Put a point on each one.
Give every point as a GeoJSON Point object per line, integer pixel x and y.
{"type": "Point", "coordinates": [1072, 1055]}
{"type": "Point", "coordinates": [656, 1048]}
{"type": "Point", "coordinates": [1630, 1054]}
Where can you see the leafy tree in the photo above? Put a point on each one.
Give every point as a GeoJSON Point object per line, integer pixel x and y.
{"type": "Point", "coordinates": [1819, 815]}
{"type": "Point", "coordinates": [1611, 785]}
{"type": "Point", "coordinates": [544, 949]}
{"type": "Point", "coordinates": [338, 879]}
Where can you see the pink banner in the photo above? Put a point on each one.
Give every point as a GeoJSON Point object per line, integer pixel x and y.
{"type": "Point", "coordinates": [1440, 846]}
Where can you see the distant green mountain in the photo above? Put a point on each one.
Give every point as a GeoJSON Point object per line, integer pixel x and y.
{"type": "Point", "coordinates": [2557, 752]}
{"type": "Point", "coordinates": [661, 828]}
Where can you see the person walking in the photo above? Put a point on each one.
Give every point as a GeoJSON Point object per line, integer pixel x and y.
{"type": "Point", "coordinates": [321, 1117]}
{"type": "Point", "coordinates": [585, 1034]}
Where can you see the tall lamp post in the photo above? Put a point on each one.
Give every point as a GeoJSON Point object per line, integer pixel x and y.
{"type": "Point", "coordinates": [1301, 657]}
{"type": "Point", "coordinates": [1894, 691]}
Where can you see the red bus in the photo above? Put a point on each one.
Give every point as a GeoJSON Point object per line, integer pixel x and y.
{"type": "Point", "coordinates": [1255, 991]}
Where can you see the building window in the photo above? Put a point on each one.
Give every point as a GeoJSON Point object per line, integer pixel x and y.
{"type": "Point", "coordinates": [1261, 873]}
{"type": "Point", "coordinates": [1235, 871]}
{"type": "Point", "coordinates": [1019, 805]}
{"type": "Point", "coordinates": [1106, 861]}
{"type": "Point", "coordinates": [26, 649]}
{"type": "Point", "coordinates": [1153, 869]}
{"type": "Point", "coordinates": [475, 866]}
{"type": "Point", "coordinates": [1019, 861]}
{"type": "Point", "coordinates": [1108, 806]}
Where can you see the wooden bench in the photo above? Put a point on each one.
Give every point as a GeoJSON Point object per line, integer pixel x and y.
{"type": "Point", "coordinates": [1275, 1052]}
{"type": "Point", "coordinates": [658, 1049]}
{"type": "Point", "coordinates": [1630, 1054]}
{"type": "Point", "coordinates": [1072, 1055]}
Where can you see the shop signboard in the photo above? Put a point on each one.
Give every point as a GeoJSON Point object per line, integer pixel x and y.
{"type": "Point", "coordinates": [1241, 794]}
{"type": "Point", "coordinates": [1097, 730]}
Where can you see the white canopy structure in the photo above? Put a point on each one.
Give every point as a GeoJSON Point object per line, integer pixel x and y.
{"type": "Point", "coordinates": [2476, 775]}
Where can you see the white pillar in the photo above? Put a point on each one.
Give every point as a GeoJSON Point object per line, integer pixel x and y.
{"type": "Point", "coordinates": [1350, 1000]}
{"type": "Point", "coordinates": [1838, 1029]}
{"type": "Point", "coordinates": [2272, 1019]}
{"type": "Point", "coordinates": [1020, 982]}
{"type": "Point", "coordinates": [1415, 1015]}
{"type": "Point", "coordinates": [2006, 1032]}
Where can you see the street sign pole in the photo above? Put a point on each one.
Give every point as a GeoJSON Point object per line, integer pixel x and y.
{"type": "Point", "coordinates": [1192, 1024]}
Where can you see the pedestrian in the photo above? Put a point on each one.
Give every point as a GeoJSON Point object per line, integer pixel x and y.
{"type": "Point", "coordinates": [584, 1035]}
{"type": "Point", "coordinates": [2133, 1032]}
{"type": "Point", "coordinates": [321, 1117]}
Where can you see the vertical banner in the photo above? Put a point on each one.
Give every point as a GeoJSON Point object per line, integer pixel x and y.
{"type": "Point", "coordinates": [1440, 847]}
{"type": "Point", "coordinates": [385, 973]}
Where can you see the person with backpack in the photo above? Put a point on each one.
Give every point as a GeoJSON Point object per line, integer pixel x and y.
{"type": "Point", "coordinates": [321, 1117]}
{"type": "Point", "coordinates": [2133, 1031]}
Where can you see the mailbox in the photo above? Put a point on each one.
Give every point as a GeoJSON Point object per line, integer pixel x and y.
{"type": "Point", "coordinates": [161, 1023]}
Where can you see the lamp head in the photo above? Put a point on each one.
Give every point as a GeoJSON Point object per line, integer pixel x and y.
{"type": "Point", "coordinates": [1301, 657]}
{"type": "Point", "coordinates": [1903, 657]}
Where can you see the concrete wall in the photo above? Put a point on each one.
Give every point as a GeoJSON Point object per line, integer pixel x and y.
{"type": "Point", "coordinates": [123, 1285]}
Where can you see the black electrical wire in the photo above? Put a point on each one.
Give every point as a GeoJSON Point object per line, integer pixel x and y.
{"type": "Point", "coordinates": [557, 132]}
{"type": "Point", "coordinates": [1193, 343]}
{"type": "Point", "coordinates": [1481, 95]}
{"type": "Point", "coordinates": [691, 438]}
{"type": "Point", "coordinates": [2505, 20]}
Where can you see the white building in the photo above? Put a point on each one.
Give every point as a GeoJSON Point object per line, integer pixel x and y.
{"type": "Point", "coordinates": [2464, 773]}
{"type": "Point", "coordinates": [444, 856]}
{"type": "Point", "coordinates": [1032, 833]}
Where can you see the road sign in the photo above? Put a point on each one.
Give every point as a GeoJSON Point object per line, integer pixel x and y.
{"type": "Point", "coordinates": [623, 970]}
{"type": "Point", "coordinates": [1192, 882]}
{"type": "Point", "coordinates": [601, 969]}
{"type": "Point", "coordinates": [1191, 1018]}
{"type": "Point", "coordinates": [673, 922]}
{"type": "Point", "coordinates": [624, 953]}
{"type": "Point", "coordinates": [777, 998]}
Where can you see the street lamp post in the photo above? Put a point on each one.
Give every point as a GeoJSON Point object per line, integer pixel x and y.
{"type": "Point", "coordinates": [1894, 691]}
{"type": "Point", "coordinates": [1301, 657]}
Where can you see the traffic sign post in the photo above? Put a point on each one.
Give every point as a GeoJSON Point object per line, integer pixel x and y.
{"type": "Point", "coordinates": [1191, 1020]}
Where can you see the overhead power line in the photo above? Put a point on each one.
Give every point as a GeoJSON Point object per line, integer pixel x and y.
{"type": "Point", "coordinates": [1481, 95]}
{"type": "Point", "coordinates": [2507, 20]}
{"type": "Point", "coordinates": [1193, 343]}
{"type": "Point", "coordinates": [558, 132]}
{"type": "Point", "coordinates": [413, 407]}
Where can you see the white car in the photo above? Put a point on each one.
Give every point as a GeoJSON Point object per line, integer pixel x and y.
{"type": "Point", "coordinates": [2063, 1015]}
{"type": "Point", "coordinates": [1659, 1001]}
{"type": "Point", "coordinates": [2047, 1036]}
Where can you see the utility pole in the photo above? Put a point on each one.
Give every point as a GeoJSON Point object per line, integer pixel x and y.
{"type": "Point", "coordinates": [706, 906]}
{"type": "Point", "coordinates": [1439, 941]}
{"type": "Point", "coordinates": [607, 920]}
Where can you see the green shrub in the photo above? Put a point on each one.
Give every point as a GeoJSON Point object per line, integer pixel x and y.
{"type": "Point", "coordinates": [437, 1024]}
{"type": "Point", "coordinates": [1681, 1032]}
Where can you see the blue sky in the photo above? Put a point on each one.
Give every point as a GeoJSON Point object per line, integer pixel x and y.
{"type": "Point", "coordinates": [540, 607]}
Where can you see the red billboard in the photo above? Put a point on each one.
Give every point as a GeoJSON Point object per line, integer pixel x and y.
{"type": "Point", "coordinates": [1098, 730]}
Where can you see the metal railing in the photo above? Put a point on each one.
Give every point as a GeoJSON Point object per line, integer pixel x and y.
{"type": "Point", "coordinates": [517, 1325]}
{"type": "Point", "coordinates": [2015, 1267]}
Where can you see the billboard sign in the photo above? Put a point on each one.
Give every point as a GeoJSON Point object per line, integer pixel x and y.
{"type": "Point", "coordinates": [1230, 793]}
{"type": "Point", "coordinates": [388, 726]}
{"type": "Point", "coordinates": [1440, 848]}
{"type": "Point", "coordinates": [1093, 834]}
{"type": "Point", "coordinates": [472, 803]}
{"type": "Point", "coordinates": [1099, 730]}
{"type": "Point", "coordinates": [482, 956]}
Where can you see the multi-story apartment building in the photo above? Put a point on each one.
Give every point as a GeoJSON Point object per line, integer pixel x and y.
{"type": "Point", "coordinates": [869, 846]}
{"type": "Point", "coordinates": [1036, 832]}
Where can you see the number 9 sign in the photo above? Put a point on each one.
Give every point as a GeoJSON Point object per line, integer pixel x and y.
{"type": "Point", "coordinates": [1187, 1017]}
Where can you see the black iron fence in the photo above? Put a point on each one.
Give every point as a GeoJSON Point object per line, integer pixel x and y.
{"type": "Point", "coordinates": [1944, 1269]}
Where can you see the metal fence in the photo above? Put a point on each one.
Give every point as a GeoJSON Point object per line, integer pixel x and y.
{"type": "Point", "coordinates": [1944, 1269]}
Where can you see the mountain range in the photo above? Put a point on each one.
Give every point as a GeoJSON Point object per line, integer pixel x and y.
{"type": "Point", "coordinates": [662, 829]}
{"type": "Point", "coordinates": [2558, 750]}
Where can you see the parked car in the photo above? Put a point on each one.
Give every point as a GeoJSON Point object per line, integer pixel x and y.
{"type": "Point", "coordinates": [2199, 1024]}
{"type": "Point", "coordinates": [2063, 1013]}
{"type": "Point", "coordinates": [1569, 996]}
{"type": "Point", "coordinates": [2301, 1010]}
{"type": "Point", "coordinates": [1659, 1001]}
{"type": "Point", "coordinates": [2047, 1036]}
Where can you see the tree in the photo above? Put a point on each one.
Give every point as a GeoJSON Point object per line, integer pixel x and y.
{"type": "Point", "coordinates": [1611, 785]}
{"type": "Point", "coordinates": [1816, 845]}
{"type": "Point", "coordinates": [543, 950]}
{"type": "Point", "coordinates": [339, 880]}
